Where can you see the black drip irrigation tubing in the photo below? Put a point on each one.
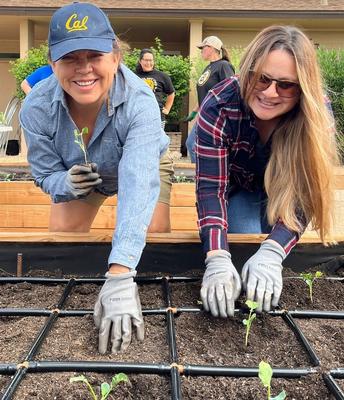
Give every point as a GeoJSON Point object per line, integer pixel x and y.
{"type": "Point", "coordinates": [337, 373]}
{"type": "Point", "coordinates": [302, 338]}
{"type": "Point", "coordinates": [243, 372]}
{"type": "Point", "coordinates": [316, 314]}
{"type": "Point", "coordinates": [171, 335]}
{"type": "Point", "coordinates": [174, 369]}
{"type": "Point", "coordinates": [333, 386]}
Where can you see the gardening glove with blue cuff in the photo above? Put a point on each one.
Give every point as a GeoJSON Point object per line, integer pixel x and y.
{"type": "Point", "coordinates": [221, 284]}
{"type": "Point", "coordinates": [262, 275]}
{"type": "Point", "coordinates": [117, 308]}
{"type": "Point", "coordinates": [82, 179]}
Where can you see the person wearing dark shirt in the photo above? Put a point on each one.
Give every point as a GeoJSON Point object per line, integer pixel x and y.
{"type": "Point", "coordinates": [36, 76]}
{"type": "Point", "coordinates": [158, 81]}
{"type": "Point", "coordinates": [216, 71]}
{"type": "Point", "coordinates": [266, 155]}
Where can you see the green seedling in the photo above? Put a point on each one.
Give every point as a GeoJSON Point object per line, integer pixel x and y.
{"type": "Point", "coordinates": [180, 178]}
{"type": "Point", "coordinates": [7, 177]}
{"type": "Point", "coordinates": [265, 375]}
{"type": "Point", "coordinates": [79, 140]}
{"type": "Point", "coordinates": [252, 305]}
{"type": "Point", "coordinates": [309, 278]}
{"type": "Point", "coordinates": [105, 388]}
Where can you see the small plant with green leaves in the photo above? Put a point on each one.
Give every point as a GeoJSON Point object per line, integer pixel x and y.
{"type": "Point", "coordinates": [7, 177]}
{"type": "Point", "coordinates": [252, 305]}
{"type": "Point", "coordinates": [105, 388]}
{"type": "Point", "coordinates": [265, 375]}
{"type": "Point", "coordinates": [310, 278]}
{"type": "Point", "coordinates": [182, 178]}
{"type": "Point", "coordinates": [79, 140]}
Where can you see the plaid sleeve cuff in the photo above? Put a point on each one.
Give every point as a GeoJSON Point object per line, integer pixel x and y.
{"type": "Point", "coordinates": [284, 236]}
{"type": "Point", "coordinates": [214, 239]}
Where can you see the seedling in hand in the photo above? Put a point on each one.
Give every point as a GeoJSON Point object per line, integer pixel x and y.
{"type": "Point", "coordinates": [309, 278]}
{"type": "Point", "coordinates": [252, 305]}
{"type": "Point", "coordinates": [105, 388]}
{"type": "Point", "coordinates": [79, 140]}
{"type": "Point", "coordinates": [265, 375]}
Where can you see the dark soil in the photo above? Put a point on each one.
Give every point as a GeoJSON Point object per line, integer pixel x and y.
{"type": "Point", "coordinates": [200, 340]}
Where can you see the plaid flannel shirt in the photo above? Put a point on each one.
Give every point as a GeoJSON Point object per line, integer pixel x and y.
{"type": "Point", "coordinates": [225, 151]}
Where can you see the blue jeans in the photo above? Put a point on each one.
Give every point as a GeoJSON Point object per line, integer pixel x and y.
{"type": "Point", "coordinates": [247, 212]}
{"type": "Point", "coordinates": [190, 143]}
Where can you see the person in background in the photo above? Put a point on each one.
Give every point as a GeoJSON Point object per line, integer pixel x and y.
{"type": "Point", "coordinates": [158, 81]}
{"type": "Point", "coordinates": [266, 153]}
{"type": "Point", "coordinates": [36, 76]}
{"type": "Point", "coordinates": [92, 89]}
{"type": "Point", "coordinates": [218, 69]}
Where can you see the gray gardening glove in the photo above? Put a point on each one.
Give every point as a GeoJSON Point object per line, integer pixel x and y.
{"type": "Point", "coordinates": [262, 275]}
{"type": "Point", "coordinates": [221, 285]}
{"type": "Point", "coordinates": [82, 179]}
{"type": "Point", "coordinates": [118, 304]}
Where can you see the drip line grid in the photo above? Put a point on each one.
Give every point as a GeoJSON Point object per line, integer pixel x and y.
{"type": "Point", "coordinates": [173, 370]}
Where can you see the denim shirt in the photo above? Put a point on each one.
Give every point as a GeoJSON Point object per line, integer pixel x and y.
{"type": "Point", "coordinates": [126, 144]}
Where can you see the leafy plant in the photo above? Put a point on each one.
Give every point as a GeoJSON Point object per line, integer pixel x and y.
{"type": "Point", "coordinates": [309, 278]}
{"type": "Point", "coordinates": [252, 305]}
{"type": "Point", "coordinates": [177, 67]}
{"type": "Point", "coordinates": [22, 67]}
{"type": "Point", "coordinates": [105, 388]}
{"type": "Point", "coordinates": [332, 65]}
{"type": "Point", "coordinates": [7, 177]}
{"type": "Point", "coordinates": [79, 140]}
{"type": "Point", "coordinates": [265, 375]}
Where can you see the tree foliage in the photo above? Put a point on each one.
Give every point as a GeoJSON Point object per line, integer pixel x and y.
{"type": "Point", "coordinates": [22, 67]}
{"type": "Point", "coordinates": [332, 66]}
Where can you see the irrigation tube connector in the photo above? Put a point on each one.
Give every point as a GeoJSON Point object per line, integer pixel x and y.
{"type": "Point", "coordinates": [173, 368]}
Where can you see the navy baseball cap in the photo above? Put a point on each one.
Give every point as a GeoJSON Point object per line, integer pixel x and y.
{"type": "Point", "coordinates": [79, 26]}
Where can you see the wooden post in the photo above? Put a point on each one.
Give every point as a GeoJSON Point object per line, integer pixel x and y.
{"type": "Point", "coordinates": [19, 265]}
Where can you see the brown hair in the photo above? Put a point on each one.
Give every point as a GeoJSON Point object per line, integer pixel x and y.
{"type": "Point", "coordinates": [300, 172]}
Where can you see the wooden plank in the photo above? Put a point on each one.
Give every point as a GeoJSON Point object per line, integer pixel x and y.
{"type": "Point", "coordinates": [182, 194]}
{"type": "Point", "coordinates": [37, 216]}
{"type": "Point", "coordinates": [106, 237]}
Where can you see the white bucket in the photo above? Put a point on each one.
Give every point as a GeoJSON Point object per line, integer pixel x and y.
{"type": "Point", "coordinates": [5, 131]}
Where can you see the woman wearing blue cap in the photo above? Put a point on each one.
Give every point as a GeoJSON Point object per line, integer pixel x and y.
{"type": "Point", "coordinates": [91, 89]}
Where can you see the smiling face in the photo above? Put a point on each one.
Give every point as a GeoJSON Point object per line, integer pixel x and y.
{"type": "Point", "coordinates": [147, 62]}
{"type": "Point", "coordinates": [268, 105]}
{"type": "Point", "coordinates": [86, 76]}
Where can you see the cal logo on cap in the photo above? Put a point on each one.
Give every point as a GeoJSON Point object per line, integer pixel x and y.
{"type": "Point", "coordinates": [73, 24]}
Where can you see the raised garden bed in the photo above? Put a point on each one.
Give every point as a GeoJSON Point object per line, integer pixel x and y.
{"type": "Point", "coordinates": [47, 335]}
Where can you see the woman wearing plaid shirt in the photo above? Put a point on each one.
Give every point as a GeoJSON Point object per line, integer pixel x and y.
{"type": "Point", "coordinates": [265, 155]}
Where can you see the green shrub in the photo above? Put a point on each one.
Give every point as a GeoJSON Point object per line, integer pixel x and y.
{"type": "Point", "coordinates": [177, 67]}
{"type": "Point", "coordinates": [332, 66]}
{"type": "Point", "coordinates": [22, 67]}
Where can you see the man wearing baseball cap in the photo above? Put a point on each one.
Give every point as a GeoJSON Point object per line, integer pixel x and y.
{"type": "Point", "coordinates": [93, 95]}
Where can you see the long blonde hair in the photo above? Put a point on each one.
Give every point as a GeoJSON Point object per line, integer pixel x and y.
{"type": "Point", "coordinates": [300, 172]}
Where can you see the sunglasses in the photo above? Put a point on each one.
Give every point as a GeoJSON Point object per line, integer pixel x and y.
{"type": "Point", "coordinates": [286, 89]}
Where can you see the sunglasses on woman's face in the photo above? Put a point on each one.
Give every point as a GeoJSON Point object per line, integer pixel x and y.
{"type": "Point", "coordinates": [283, 88]}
